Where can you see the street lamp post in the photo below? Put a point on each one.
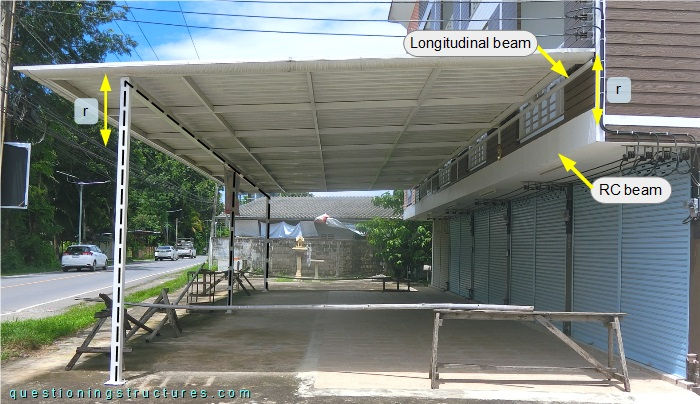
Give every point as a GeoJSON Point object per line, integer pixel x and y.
{"type": "Point", "coordinates": [176, 219]}
{"type": "Point", "coordinates": [80, 185]}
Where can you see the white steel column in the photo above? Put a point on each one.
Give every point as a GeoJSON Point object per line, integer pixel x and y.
{"type": "Point", "coordinates": [116, 362]}
{"type": "Point", "coordinates": [267, 241]}
{"type": "Point", "coordinates": [232, 239]}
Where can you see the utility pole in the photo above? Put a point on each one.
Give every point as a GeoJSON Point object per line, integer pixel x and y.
{"type": "Point", "coordinates": [176, 219]}
{"type": "Point", "coordinates": [7, 25]}
{"type": "Point", "coordinates": [80, 184]}
{"type": "Point", "coordinates": [7, 21]}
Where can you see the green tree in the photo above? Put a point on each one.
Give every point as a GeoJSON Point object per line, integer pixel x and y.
{"type": "Point", "coordinates": [404, 245]}
{"type": "Point", "coordinates": [54, 32]}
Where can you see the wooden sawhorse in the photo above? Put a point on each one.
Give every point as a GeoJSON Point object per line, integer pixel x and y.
{"type": "Point", "coordinates": [610, 320]}
{"type": "Point", "coordinates": [102, 317]}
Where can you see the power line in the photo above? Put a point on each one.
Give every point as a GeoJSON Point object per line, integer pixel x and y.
{"type": "Point", "coordinates": [327, 19]}
{"type": "Point", "coordinates": [135, 167]}
{"type": "Point", "coordinates": [188, 29]}
{"type": "Point", "coordinates": [140, 29]}
{"type": "Point", "coordinates": [122, 31]}
{"type": "Point", "coordinates": [242, 29]}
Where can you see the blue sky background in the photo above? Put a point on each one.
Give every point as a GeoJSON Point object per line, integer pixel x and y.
{"type": "Point", "coordinates": [174, 43]}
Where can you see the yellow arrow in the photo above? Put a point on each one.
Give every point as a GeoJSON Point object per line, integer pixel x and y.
{"type": "Point", "coordinates": [557, 67]}
{"type": "Point", "coordinates": [569, 165]}
{"type": "Point", "coordinates": [597, 111]}
{"type": "Point", "coordinates": [105, 132]}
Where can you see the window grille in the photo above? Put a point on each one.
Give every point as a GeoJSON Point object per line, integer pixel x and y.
{"type": "Point", "coordinates": [477, 152]}
{"type": "Point", "coordinates": [545, 111]}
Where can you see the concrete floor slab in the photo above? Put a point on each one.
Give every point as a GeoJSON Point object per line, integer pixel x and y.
{"type": "Point", "coordinates": [342, 356]}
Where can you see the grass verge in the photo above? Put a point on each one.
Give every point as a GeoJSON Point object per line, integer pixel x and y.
{"type": "Point", "coordinates": [19, 337]}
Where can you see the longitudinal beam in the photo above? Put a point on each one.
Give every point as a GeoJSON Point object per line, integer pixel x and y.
{"type": "Point", "coordinates": [116, 360]}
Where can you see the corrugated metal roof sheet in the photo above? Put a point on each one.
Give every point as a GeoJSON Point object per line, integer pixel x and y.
{"type": "Point", "coordinates": [319, 125]}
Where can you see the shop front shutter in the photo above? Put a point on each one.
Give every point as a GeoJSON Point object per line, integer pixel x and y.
{"type": "Point", "coordinates": [655, 280]}
{"type": "Point", "coordinates": [454, 254]}
{"type": "Point", "coordinates": [498, 250]}
{"type": "Point", "coordinates": [596, 264]}
{"type": "Point", "coordinates": [441, 248]}
{"type": "Point", "coordinates": [550, 252]}
{"type": "Point", "coordinates": [481, 255]}
{"type": "Point", "coordinates": [522, 289]}
{"type": "Point", "coordinates": [465, 257]}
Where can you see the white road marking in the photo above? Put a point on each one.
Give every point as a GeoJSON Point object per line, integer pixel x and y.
{"type": "Point", "coordinates": [90, 291]}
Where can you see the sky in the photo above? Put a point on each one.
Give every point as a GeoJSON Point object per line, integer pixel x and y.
{"type": "Point", "coordinates": [162, 42]}
{"type": "Point", "coordinates": [174, 43]}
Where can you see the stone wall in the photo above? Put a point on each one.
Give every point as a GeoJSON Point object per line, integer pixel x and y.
{"type": "Point", "coordinates": [342, 258]}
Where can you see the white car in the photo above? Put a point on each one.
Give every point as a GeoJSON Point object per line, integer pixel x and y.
{"type": "Point", "coordinates": [83, 256]}
{"type": "Point", "coordinates": [166, 251]}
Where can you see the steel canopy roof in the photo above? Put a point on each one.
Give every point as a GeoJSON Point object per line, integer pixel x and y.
{"type": "Point", "coordinates": [316, 125]}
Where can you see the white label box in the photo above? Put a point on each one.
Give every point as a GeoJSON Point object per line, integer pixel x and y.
{"type": "Point", "coordinates": [631, 190]}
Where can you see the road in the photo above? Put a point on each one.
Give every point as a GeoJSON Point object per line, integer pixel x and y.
{"type": "Point", "coordinates": [44, 294]}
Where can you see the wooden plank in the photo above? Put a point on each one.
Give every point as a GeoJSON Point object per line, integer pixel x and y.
{"type": "Point", "coordinates": [640, 38]}
{"type": "Point", "coordinates": [656, 27]}
{"type": "Point", "coordinates": [146, 316]}
{"type": "Point", "coordinates": [434, 353]}
{"type": "Point", "coordinates": [513, 368]}
{"type": "Point", "coordinates": [660, 66]}
{"type": "Point", "coordinates": [86, 343]}
{"type": "Point", "coordinates": [628, 6]}
{"type": "Point", "coordinates": [653, 110]}
{"type": "Point", "coordinates": [525, 316]}
{"type": "Point", "coordinates": [649, 50]}
{"type": "Point", "coordinates": [99, 349]}
{"type": "Point", "coordinates": [573, 345]}
{"type": "Point", "coordinates": [635, 14]}
{"type": "Point", "coordinates": [621, 349]}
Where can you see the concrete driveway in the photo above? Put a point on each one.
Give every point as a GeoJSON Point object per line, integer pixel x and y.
{"type": "Point", "coordinates": [349, 356]}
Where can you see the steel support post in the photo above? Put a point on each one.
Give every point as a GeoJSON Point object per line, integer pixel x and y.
{"type": "Point", "coordinates": [231, 239]}
{"type": "Point", "coordinates": [116, 361]}
{"type": "Point", "coordinates": [267, 241]}
{"type": "Point", "coordinates": [80, 214]}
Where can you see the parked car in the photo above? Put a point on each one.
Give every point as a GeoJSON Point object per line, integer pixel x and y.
{"type": "Point", "coordinates": [83, 256]}
{"type": "Point", "coordinates": [166, 251]}
{"type": "Point", "coordinates": [185, 248]}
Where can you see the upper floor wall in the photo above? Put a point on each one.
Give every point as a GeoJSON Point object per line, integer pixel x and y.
{"type": "Point", "coordinates": [556, 24]}
{"type": "Point", "coordinates": [655, 44]}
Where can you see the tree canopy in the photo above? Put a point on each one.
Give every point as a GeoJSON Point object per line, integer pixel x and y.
{"type": "Point", "coordinates": [402, 244]}
{"type": "Point", "coordinates": [75, 32]}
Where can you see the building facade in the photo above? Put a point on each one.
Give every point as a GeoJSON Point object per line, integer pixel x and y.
{"type": "Point", "coordinates": [511, 226]}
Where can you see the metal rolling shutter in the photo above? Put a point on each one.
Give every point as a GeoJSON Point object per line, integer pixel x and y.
{"type": "Point", "coordinates": [454, 254]}
{"type": "Point", "coordinates": [596, 246]}
{"type": "Point", "coordinates": [440, 253]}
{"type": "Point", "coordinates": [523, 252]}
{"type": "Point", "coordinates": [498, 246]}
{"type": "Point", "coordinates": [655, 276]}
{"type": "Point", "coordinates": [465, 257]}
{"type": "Point", "coordinates": [481, 255]}
{"type": "Point", "coordinates": [550, 252]}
